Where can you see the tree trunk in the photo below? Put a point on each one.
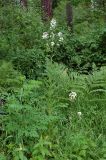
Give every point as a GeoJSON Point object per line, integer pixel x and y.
{"type": "Point", "coordinates": [46, 9]}
{"type": "Point", "coordinates": [24, 3]}
{"type": "Point", "coordinates": [69, 15]}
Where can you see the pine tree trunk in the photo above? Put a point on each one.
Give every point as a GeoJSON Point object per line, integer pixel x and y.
{"type": "Point", "coordinates": [69, 15]}
{"type": "Point", "coordinates": [46, 9]}
{"type": "Point", "coordinates": [24, 3]}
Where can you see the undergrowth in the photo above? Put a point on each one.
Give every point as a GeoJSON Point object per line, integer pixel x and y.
{"type": "Point", "coordinates": [60, 117]}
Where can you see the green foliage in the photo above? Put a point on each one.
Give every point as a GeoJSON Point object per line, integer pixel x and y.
{"type": "Point", "coordinates": [43, 121]}
{"type": "Point", "coordinates": [30, 62]}
{"type": "Point", "coordinates": [21, 33]}
{"type": "Point", "coordinates": [41, 149]}
{"type": "Point", "coordinates": [21, 38]}
{"type": "Point", "coordinates": [82, 48]}
{"type": "Point", "coordinates": [52, 110]}
{"type": "Point", "coordinates": [10, 79]}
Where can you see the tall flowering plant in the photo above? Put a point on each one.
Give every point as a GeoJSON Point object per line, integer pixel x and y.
{"type": "Point", "coordinates": [52, 39]}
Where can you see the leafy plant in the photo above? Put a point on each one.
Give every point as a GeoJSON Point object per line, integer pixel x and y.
{"type": "Point", "coordinates": [10, 79]}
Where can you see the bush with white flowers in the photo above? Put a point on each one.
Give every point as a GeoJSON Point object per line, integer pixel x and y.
{"type": "Point", "coordinates": [52, 37]}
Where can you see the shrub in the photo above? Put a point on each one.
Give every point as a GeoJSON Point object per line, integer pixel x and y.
{"type": "Point", "coordinates": [10, 79]}
{"type": "Point", "coordinates": [20, 39]}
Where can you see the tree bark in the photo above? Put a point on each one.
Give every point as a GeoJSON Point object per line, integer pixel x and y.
{"type": "Point", "coordinates": [69, 15]}
{"type": "Point", "coordinates": [46, 9]}
{"type": "Point", "coordinates": [24, 3]}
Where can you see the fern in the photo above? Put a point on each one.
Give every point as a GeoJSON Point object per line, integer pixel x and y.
{"type": "Point", "coordinates": [42, 116]}
{"type": "Point", "coordinates": [97, 83]}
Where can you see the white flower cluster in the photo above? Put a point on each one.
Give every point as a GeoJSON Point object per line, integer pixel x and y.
{"type": "Point", "coordinates": [52, 44]}
{"type": "Point", "coordinates": [72, 96]}
{"type": "Point", "coordinates": [79, 115]}
{"type": "Point", "coordinates": [45, 35]}
{"type": "Point", "coordinates": [93, 4]}
{"type": "Point", "coordinates": [53, 24]}
{"type": "Point", "coordinates": [58, 37]}
{"type": "Point", "coordinates": [60, 34]}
